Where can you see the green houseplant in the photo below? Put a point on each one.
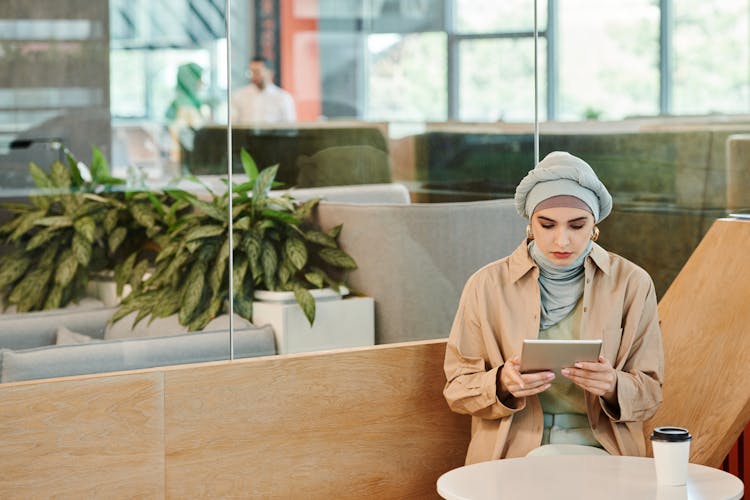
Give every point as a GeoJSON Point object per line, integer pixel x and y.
{"type": "Point", "coordinates": [76, 227]}
{"type": "Point", "coordinates": [275, 247]}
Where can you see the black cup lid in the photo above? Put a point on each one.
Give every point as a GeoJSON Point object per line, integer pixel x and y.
{"type": "Point", "coordinates": [671, 434]}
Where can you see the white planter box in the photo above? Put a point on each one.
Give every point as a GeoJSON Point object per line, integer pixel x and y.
{"type": "Point", "coordinates": [338, 323]}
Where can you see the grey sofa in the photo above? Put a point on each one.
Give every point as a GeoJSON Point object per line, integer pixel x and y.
{"type": "Point", "coordinates": [28, 348]}
{"type": "Point", "coordinates": [415, 258]}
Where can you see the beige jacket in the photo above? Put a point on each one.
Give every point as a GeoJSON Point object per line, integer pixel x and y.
{"type": "Point", "coordinates": [499, 307]}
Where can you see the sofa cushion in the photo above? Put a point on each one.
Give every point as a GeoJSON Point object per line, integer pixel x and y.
{"type": "Point", "coordinates": [68, 337]}
{"type": "Point", "coordinates": [131, 354]}
{"type": "Point", "coordinates": [159, 327]}
{"type": "Point", "coordinates": [391, 192]}
{"type": "Point", "coordinates": [27, 330]}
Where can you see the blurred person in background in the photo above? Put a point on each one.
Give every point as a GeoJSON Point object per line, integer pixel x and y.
{"type": "Point", "coordinates": [262, 101]}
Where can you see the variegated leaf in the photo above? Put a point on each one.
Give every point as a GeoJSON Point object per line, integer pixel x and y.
{"type": "Point", "coordinates": [12, 269]}
{"type": "Point", "coordinates": [116, 237]}
{"type": "Point", "coordinates": [252, 245]}
{"type": "Point", "coordinates": [136, 278]}
{"type": "Point", "coordinates": [243, 224]}
{"type": "Point", "coordinates": [27, 221]}
{"type": "Point", "coordinates": [54, 298]}
{"type": "Point", "coordinates": [337, 258]}
{"type": "Point", "coordinates": [305, 209]}
{"type": "Point", "coordinates": [243, 305]}
{"type": "Point", "coordinates": [40, 177]}
{"type": "Point", "coordinates": [284, 274]}
{"type": "Point", "coordinates": [315, 278]}
{"type": "Point", "coordinates": [206, 315]}
{"type": "Point", "coordinates": [263, 184]}
{"type": "Point", "coordinates": [40, 238]}
{"type": "Point", "coordinates": [321, 239]}
{"type": "Point", "coordinates": [41, 202]}
{"type": "Point", "coordinates": [216, 275]}
{"type": "Point", "coordinates": [66, 269]}
{"type": "Point", "coordinates": [284, 217]}
{"type": "Point", "coordinates": [168, 303]}
{"type": "Point", "coordinates": [168, 251]}
{"type": "Point", "coordinates": [328, 280]}
{"type": "Point", "coordinates": [54, 221]}
{"type": "Point", "coordinates": [205, 232]}
{"type": "Point", "coordinates": [210, 210]}
{"type": "Point", "coordinates": [110, 219]}
{"type": "Point", "coordinates": [29, 293]}
{"type": "Point", "coordinates": [49, 254]}
{"type": "Point", "coordinates": [141, 315]}
{"type": "Point", "coordinates": [306, 302]}
{"type": "Point", "coordinates": [192, 292]}
{"type": "Point", "coordinates": [59, 175]}
{"type": "Point", "coordinates": [335, 231]}
{"type": "Point", "coordinates": [123, 272]}
{"type": "Point", "coordinates": [238, 275]}
{"type": "Point", "coordinates": [143, 213]}
{"type": "Point", "coordinates": [193, 246]}
{"type": "Point", "coordinates": [280, 203]}
{"type": "Point", "coordinates": [296, 251]}
{"type": "Point", "coordinates": [269, 261]}
{"type": "Point", "coordinates": [81, 249]}
{"type": "Point", "coordinates": [85, 226]}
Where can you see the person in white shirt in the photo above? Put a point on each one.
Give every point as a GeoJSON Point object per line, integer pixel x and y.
{"type": "Point", "coordinates": [261, 100]}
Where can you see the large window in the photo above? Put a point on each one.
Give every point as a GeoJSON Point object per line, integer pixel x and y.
{"type": "Point", "coordinates": [596, 60]}
{"type": "Point", "coordinates": [711, 57]}
{"type": "Point", "coordinates": [608, 59]}
{"type": "Point", "coordinates": [406, 77]}
{"type": "Point", "coordinates": [480, 67]}
{"type": "Point", "coordinates": [496, 80]}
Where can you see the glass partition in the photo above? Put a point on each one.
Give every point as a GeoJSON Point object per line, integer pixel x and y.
{"type": "Point", "coordinates": [101, 101]}
{"type": "Point", "coordinates": [644, 93]}
{"type": "Point", "coordinates": [408, 120]}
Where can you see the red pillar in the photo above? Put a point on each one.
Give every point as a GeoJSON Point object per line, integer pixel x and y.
{"type": "Point", "coordinates": [300, 56]}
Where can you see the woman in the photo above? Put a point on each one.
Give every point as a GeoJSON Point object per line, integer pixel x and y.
{"type": "Point", "coordinates": [187, 112]}
{"type": "Point", "coordinates": [557, 284]}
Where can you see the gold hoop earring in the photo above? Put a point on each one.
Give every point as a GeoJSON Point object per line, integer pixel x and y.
{"type": "Point", "coordinates": [529, 234]}
{"type": "Point", "coordinates": [595, 234]}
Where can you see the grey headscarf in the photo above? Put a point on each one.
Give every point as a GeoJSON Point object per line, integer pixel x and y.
{"type": "Point", "coordinates": [560, 174]}
{"type": "Point", "coordinates": [560, 286]}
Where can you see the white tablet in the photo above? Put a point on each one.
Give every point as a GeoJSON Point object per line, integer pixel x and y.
{"type": "Point", "coordinates": [542, 355]}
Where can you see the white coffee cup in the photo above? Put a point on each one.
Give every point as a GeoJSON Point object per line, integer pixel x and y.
{"type": "Point", "coordinates": [671, 447]}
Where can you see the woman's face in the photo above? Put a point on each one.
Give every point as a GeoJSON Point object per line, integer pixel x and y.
{"type": "Point", "coordinates": [562, 233]}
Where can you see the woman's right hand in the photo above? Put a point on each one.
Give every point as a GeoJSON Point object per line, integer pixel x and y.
{"type": "Point", "coordinates": [520, 385]}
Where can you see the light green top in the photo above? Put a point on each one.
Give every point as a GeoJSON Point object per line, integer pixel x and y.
{"type": "Point", "coordinates": [564, 396]}
{"type": "Point", "coordinates": [564, 405]}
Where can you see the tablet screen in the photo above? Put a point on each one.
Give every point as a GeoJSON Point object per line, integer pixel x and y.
{"type": "Point", "coordinates": [542, 355]}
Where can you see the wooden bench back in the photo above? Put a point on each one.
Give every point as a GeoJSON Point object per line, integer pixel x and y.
{"type": "Point", "coordinates": [363, 423]}
{"type": "Point", "coordinates": [705, 322]}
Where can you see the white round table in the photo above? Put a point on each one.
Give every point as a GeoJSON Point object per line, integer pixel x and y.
{"type": "Point", "coordinates": [581, 477]}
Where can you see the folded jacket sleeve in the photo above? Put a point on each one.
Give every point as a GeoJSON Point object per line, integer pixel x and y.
{"type": "Point", "coordinates": [640, 369]}
{"type": "Point", "coordinates": [471, 386]}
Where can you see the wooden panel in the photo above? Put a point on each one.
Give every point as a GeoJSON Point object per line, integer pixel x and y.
{"type": "Point", "coordinates": [705, 317]}
{"type": "Point", "coordinates": [365, 423]}
{"type": "Point", "coordinates": [96, 437]}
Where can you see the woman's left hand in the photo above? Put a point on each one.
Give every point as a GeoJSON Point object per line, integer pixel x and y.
{"type": "Point", "coordinates": [597, 378]}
